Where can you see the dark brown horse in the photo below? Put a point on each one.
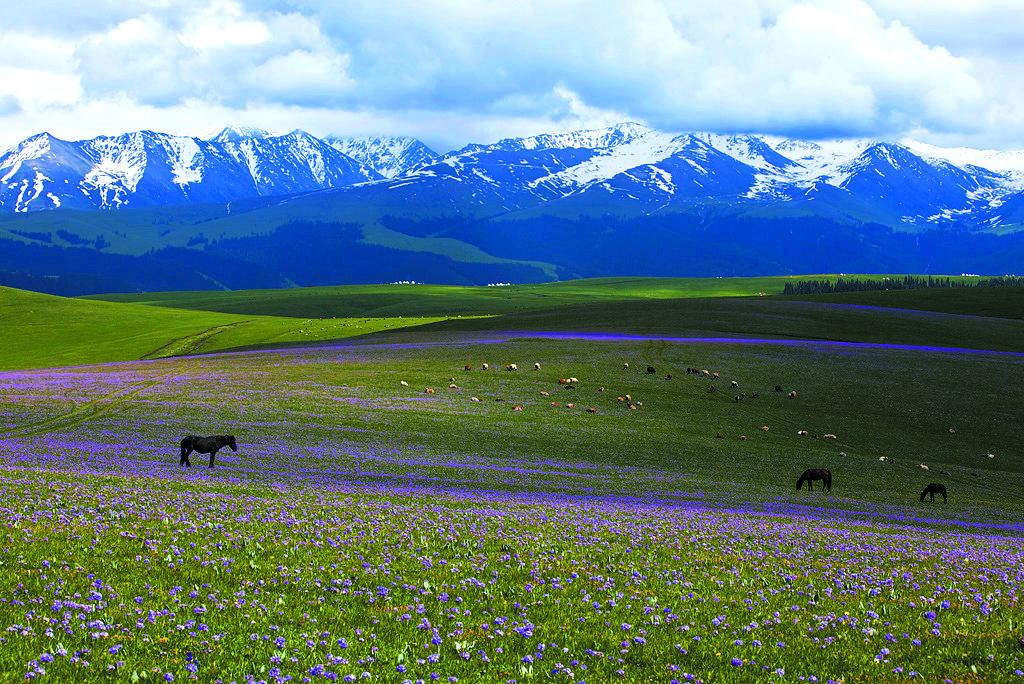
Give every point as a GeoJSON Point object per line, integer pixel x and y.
{"type": "Point", "coordinates": [812, 474]}
{"type": "Point", "coordinates": [933, 489]}
{"type": "Point", "coordinates": [205, 445]}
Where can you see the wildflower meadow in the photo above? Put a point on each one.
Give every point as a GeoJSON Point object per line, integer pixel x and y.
{"type": "Point", "coordinates": [368, 530]}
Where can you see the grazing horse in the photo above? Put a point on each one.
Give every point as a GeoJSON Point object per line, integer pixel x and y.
{"type": "Point", "coordinates": [205, 445]}
{"type": "Point", "coordinates": [815, 474]}
{"type": "Point", "coordinates": [933, 489]}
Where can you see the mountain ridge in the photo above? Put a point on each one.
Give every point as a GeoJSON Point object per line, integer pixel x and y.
{"type": "Point", "coordinates": [292, 208]}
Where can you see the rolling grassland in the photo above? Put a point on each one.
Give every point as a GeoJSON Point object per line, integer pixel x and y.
{"type": "Point", "coordinates": [495, 529]}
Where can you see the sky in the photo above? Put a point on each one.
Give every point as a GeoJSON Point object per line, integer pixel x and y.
{"type": "Point", "coordinates": [451, 72]}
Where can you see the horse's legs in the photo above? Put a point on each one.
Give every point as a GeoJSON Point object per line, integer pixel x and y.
{"type": "Point", "coordinates": [212, 454]}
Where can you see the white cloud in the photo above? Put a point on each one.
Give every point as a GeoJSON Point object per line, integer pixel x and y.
{"type": "Point", "coordinates": [223, 24]}
{"type": "Point", "coordinates": [447, 69]}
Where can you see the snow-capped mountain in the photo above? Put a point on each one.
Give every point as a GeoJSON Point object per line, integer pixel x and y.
{"type": "Point", "coordinates": [391, 157]}
{"type": "Point", "coordinates": [627, 169]}
{"type": "Point", "coordinates": [145, 169]}
{"type": "Point", "coordinates": [623, 200]}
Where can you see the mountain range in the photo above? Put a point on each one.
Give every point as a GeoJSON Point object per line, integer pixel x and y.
{"type": "Point", "coordinates": [613, 201]}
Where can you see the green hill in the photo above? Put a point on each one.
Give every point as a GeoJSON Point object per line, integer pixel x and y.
{"type": "Point", "coordinates": [44, 331]}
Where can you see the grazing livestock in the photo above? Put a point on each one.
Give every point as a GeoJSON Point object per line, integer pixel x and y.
{"type": "Point", "coordinates": [792, 395]}
{"type": "Point", "coordinates": [922, 466]}
{"type": "Point", "coordinates": [803, 433]}
{"type": "Point", "coordinates": [545, 394]}
{"type": "Point", "coordinates": [943, 472]}
{"type": "Point", "coordinates": [625, 366]}
{"type": "Point", "coordinates": [714, 375]}
{"type": "Point", "coordinates": [668, 377]}
{"type": "Point", "coordinates": [554, 403]}
{"type": "Point", "coordinates": [403, 383]}
{"type": "Point", "coordinates": [990, 455]}
{"type": "Point", "coordinates": [591, 410]}
{"type": "Point", "coordinates": [428, 391]}
{"type": "Point", "coordinates": [743, 437]}
{"type": "Point", "coordinates": [601, 390]}
{"type": "Point", "coordinates": [536, 366]}
{"type": "Point", "coordinates": [517, 407]}
{"type": "Point", "coordinates": [468, 367]}
{"type": "Point", "coordinates": [933, 489]}
{"type": "Point", "coordinates": [474, 398]}
{"type": "Point", "coordinates": [453, 386]}
{"type": "Point", "coordinates": [485, 367]}
{"type": "Point", "coordinates": [974, 474]}
{"type": "Point", "coordinates": [650, 369]}
{"type": "Point", "coordinates": [778, 388]}
{"type": "Point", "coordinates": [511, 367]}
{"type": "Point", "coordinates": [830, 436]}
{"type": "Point", "coordinates": [734, 384]}
{"type": "Point", "coordinates": [706, 372]}
{"type": "Point", "coordinates": [204, 445]}
{"type": "Point", "coordinates": [812, 474]}
{"type": "Point", "coordinates": [570, 406]}
{"type": "Point", "coordinates": [711, 389]}
{"type": "Point", "coordinates": [842, 453]}
{"type": "Point", "coordinates": [755, 395]}
{"type": "Point", "coordinates": [765, 428]}
{"type": "Point", "coordinates": [720, 436]}
{"type": "Point", "coordinates": [883, 458]}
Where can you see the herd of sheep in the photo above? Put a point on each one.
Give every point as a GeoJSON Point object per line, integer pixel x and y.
{"type": "Point", "coordinates": [628, 401]}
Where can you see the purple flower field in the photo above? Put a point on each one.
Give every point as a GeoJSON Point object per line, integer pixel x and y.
{"type": "Point", "coordinates": [352, 538]}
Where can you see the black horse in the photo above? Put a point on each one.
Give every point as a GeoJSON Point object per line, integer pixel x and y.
{"type": "Point", "coordinates": [933, 489]}
{"type": "Point", "coordinates": [204, 445]}
{"type": "Point", "coordinates": [815, 474]}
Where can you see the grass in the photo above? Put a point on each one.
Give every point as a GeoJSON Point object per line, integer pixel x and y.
{"type": "Point", "coordinates": [366, 526]}
{"type": "Point", "coordinates": [451, 300]}
{"type": "Point", "coordinates": [46, 331]}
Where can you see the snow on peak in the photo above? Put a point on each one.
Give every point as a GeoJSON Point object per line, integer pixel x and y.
{"type": "Point", "coordinates": [610, 160]}
{"type": "Point", "coordinates": [596, 138]}
{"type": "Point", "coordinates": [239, 133]}
{"type": "Point", "coordinates": [390, 156]}
{"type": "Point", "coordinates": [819, 161]}
{"type": "Point", "coordinates": [1010, 164]}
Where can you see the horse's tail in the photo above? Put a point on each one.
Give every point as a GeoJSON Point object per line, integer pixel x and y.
{"type": "Point", "coordinates": [186, 444]}
{"type": "Point", "coordinates": [828, 479]}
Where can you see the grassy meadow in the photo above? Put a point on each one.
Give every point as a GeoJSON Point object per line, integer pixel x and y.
{"type": "Point", "coordinates": [495, 529]}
